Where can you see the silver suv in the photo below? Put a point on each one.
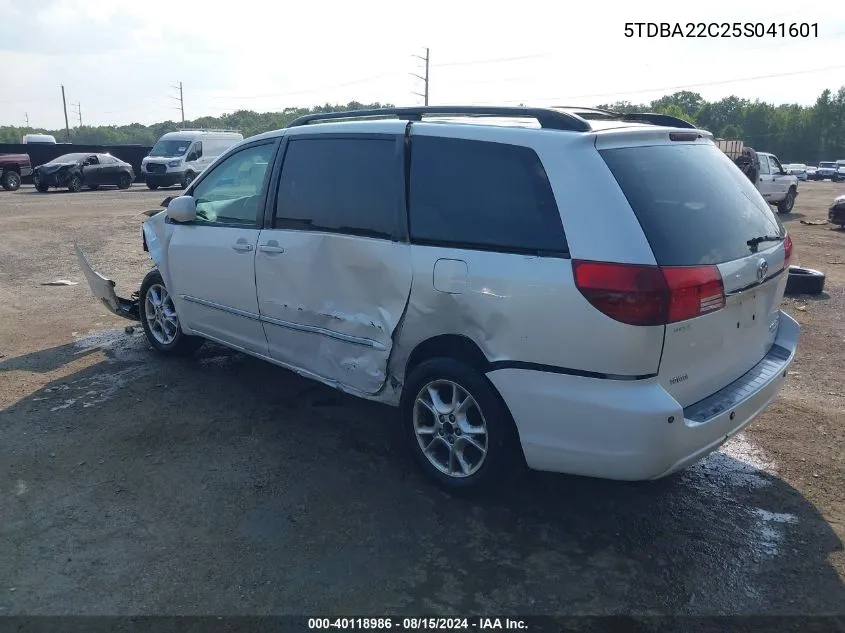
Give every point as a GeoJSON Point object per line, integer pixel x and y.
{"type": "Point", "coordinates": [590, 292]}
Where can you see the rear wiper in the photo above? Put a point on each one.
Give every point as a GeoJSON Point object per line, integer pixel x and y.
{"type": "Point", "coordinates": [755, 241]}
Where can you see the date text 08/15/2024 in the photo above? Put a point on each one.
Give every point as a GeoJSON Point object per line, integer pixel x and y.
{"type": "Point", "coordinates": [417, 624]}
{"type": "Point", "coordinates": [722, 29]}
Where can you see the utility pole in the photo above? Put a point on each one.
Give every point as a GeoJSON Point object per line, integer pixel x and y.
{"type": "Point", "coordinates": [426, 59]}
{"type": "Point", "coordinates": [64, 104]}
{"type": "Point", "coordinates": [181, 101]}
{"type": "Point", "coordinates": [26, 114]}
{"type": "Point", "coordinates": [78, 108]}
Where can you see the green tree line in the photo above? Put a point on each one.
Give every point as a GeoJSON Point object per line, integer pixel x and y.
{"type": "Point", "coordinates": [795, 133]}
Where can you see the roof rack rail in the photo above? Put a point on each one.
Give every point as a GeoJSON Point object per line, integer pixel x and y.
{"type": "Point", "coordinates": [547, 118]}
{"type": "Point", "coordinates": [653, 118]}
{"type": "Point", "coordinates": [207, 129]}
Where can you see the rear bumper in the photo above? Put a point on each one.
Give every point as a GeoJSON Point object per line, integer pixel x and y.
{"type": "Point", "coordinates": [622, 429]}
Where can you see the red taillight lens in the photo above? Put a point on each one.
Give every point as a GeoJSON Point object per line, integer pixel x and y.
{"type": "Point", "coordinates": [649, 295]}
{"type": "Point", "coordinates": [787, 250]}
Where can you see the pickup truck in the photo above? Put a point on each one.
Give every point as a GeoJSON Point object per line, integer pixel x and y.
{"type": "Point", "coordinates": [777, 187]}
{"type": "Point", "coordinates": [13, 167]}
{"type": "Point", "coordinates": [827, 169]}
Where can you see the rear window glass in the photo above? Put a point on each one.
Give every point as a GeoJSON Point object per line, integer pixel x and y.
{"type": "Point", "coordinates": [694, 205]}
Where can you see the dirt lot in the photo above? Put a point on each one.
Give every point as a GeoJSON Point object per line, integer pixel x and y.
{"type": "Point", "coordinates": [130, 484]}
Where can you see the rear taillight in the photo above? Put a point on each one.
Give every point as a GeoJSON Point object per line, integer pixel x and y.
{"type": "Point", "coordinates": [649, 295]}
{"type": "Point", "coordinates": [787, 250]}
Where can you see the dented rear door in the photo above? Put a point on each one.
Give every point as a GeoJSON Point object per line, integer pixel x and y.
{"type": "Point", "coordinates": [333, 270]}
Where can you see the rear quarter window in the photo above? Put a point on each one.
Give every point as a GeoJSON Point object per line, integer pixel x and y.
{"type": "Point", "coordinates": [694, 205]}
{"type": "Point", "coordinates": [482, 195]}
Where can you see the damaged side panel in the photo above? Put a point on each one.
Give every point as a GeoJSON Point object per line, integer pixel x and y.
{"type": "Point", "coordinates": [330, 304]}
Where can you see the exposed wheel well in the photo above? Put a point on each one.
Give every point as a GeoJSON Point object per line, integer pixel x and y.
{"type": "Point", "coordinates": [449, 346]}
{"type": "Point", "coordinates": [15, 168]}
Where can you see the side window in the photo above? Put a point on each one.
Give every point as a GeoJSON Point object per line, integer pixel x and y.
{"type": "Point", "coordinates": [342, 185]}
{"type": "Point", "coordinates": [478, 194]}
{"type": "Point", "coordinates": [195, 152]}
{"type": "Point", "coordinates": [764, 165]}
{"type": "Point", "coordinates": [775, 165]}
{"type": "Point", "coordinates": [231, 191]}
{"type": "Point", "coordinates": [91, 160]}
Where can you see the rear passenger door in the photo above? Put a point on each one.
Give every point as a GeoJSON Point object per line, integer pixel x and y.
{"type": "Point", "coordinates": [333, 270]}
{"type": "Point", "coordinates": [109, 170]}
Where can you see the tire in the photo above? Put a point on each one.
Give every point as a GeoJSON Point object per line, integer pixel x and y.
{"type": "Point", "coordinates": [124, 181]}
{"type": "Point", "coordinates": [483, 471]}
{"type": "Point", "coordinates": [74, 185]}
{"type": "Point", "coordinates": [804, 281]}
{"type": "Point", "coordinates": [152, 185]}
{"type": "Point", "coordinates": [11, 180]}
{"type": "Point", "coordinates": [42, 187]}
{"type": "Point", "coordinates": [786, 205]}
{"type": "Point", "coordinates": [167, 339]}
{"type": "Point", "coordinates": [93, 187]}
{"type": "Point", "coordinates": [187, 179]}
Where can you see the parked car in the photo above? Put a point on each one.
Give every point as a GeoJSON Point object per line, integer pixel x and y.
{"type": "Point", "coordinates": [79, 170]}
{"type": "Point", "coordinates": [836, 212]}
{"type": "Point", "coordinates": [811, 172]}
{"type": "Point", "coordinates": [598, 297]}
{"type": "Point", "coordinates": [827, 169]}
{"type": "Point", "coordinates": [178, 157]}
{"type": "Point", "coordinates": [13, 167]}
{"type": "Point", "coordinates": [796, 169]}
{"type": "Point", "coordinates": [777, 187]}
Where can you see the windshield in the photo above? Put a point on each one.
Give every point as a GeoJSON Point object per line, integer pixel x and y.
{"type": "Point", "coordinates": [827, 165]}
{"type": "Point", "coordinates": [69, 158]}
{"type": "Point", "coordinates": [170, 148]}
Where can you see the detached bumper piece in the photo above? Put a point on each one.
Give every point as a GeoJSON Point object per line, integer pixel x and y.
{"type": "Point", "coordinates": [103, 289]}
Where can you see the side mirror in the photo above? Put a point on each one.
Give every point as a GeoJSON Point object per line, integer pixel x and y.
{"type": "Point", "coordinates": [182, 209]}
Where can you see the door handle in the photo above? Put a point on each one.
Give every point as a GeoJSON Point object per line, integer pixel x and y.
{"type": "Point", "coordinates": [271, 247]}
{"type": "Point", "coordinates": [242, 247]}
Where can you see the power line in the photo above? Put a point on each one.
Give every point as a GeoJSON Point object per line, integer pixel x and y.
{"type": "Point", "coordinates": [492, 61]}
{"type": "Point", "coordinates": [683, 87]}
{"type": "Point", "coordinates": [310, 90]}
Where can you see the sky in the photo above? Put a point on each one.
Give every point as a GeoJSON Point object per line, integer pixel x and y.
{"type": "Point", "coordinates": [119, 61]}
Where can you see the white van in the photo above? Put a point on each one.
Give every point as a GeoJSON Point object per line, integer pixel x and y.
{"type": "Point", "coordinates": [178, 157]}
{"type": "Point", "coordinates": [42, 139]}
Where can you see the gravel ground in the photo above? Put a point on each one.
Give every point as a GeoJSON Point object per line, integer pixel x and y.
{"type": "Point", "coordinates": [133, 484]}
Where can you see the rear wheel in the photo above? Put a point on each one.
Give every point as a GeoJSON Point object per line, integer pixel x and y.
{"type": "Point", "coordinates": [74, 184]}
{"type": "Point", "coordinates": [160, 321]}
{"type": "Point", "coordinates": [457, 426]}
{"type": "Point", "coordinates": [11, 180]}
{"type": "Point", "coordinates": [785, 205]}
{"type": "Point", "coordinates": [124, 181]}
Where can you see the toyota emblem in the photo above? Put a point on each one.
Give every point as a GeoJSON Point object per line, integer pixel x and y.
{"type": "Point", "coordinates": [762, 269]}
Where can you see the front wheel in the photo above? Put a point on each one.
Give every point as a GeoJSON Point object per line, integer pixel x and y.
{"type": "Point", "coordinates": [124, 181]}
{"type": "Point", "coordinates": [152, 185]}
{"type": "Point", "coordinates": [160, 321]}
{"type": "Point", "coordinates": [457, 426]}
{"type": "Point", "coordinates": [187, 179]}
{"type": "Point", "coordinates": [42, 187]}
{"type": "Point", "coordinates": [74, 185]}
{"type": "Point", "coordinates": [785, 205]}
{"type": "Point", "coordinates": [11, 180]}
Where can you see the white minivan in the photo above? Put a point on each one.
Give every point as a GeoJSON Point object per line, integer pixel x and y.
{"type": "Point", "coordinates": [178, 157]}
